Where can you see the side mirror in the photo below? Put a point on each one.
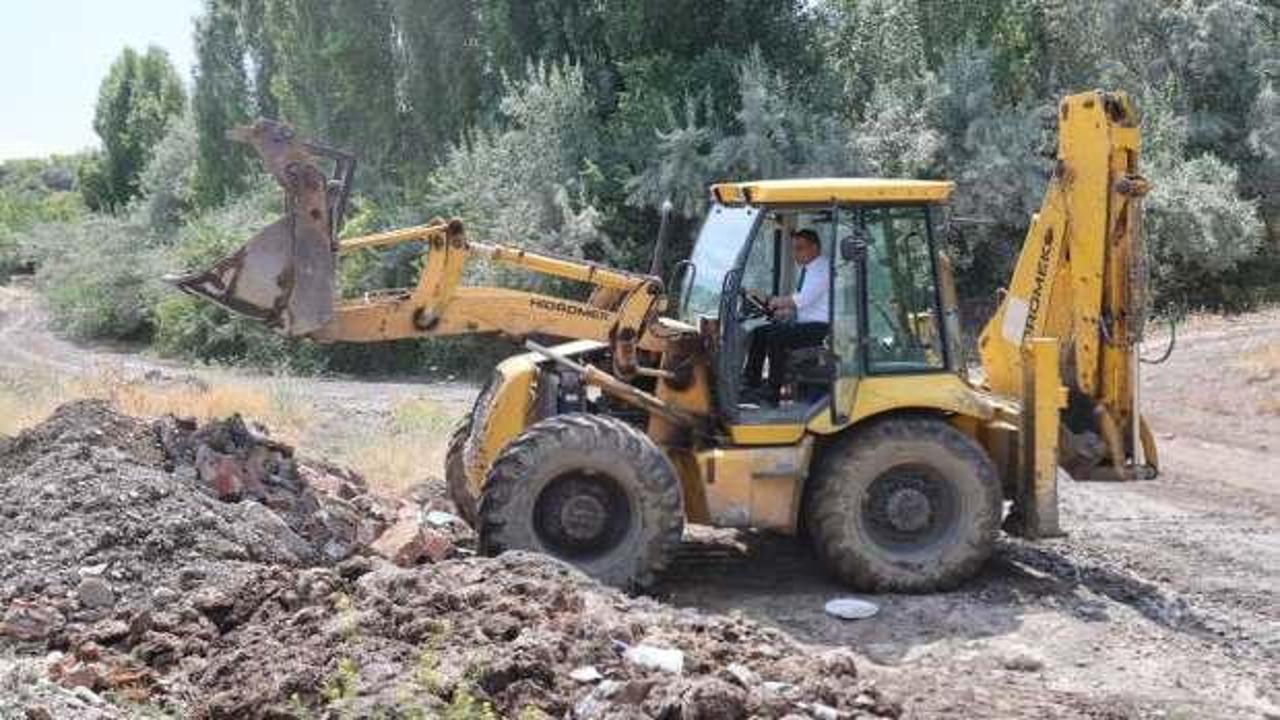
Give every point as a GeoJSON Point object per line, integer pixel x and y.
{"type": "Point", "coordinates": [853, 248]}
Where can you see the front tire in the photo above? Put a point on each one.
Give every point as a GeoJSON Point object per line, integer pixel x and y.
{"type": "Point", "coordinates": [587, 489]}
{"type": "Point", "coordinates": [907, 504]}
{"type": "Point", "coordinates": [455, 472]}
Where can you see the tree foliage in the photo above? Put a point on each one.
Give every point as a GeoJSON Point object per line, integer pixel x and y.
{"type": "Point", "coordinates": [138, 98]}
{"type": "Point", "coordinates": [563, 125]}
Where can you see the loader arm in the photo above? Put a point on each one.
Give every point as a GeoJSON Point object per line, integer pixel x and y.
{"type": "Point", "coordinates": [1080, 281]}
{"type": "Point", "coordinates": [620, 311]}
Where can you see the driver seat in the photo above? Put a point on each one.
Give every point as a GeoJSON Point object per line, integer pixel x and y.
{"type": "Point", "coordinates": [809, 372]}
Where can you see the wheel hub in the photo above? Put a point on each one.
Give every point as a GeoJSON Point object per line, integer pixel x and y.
{"type": "Point", "coordinates": [582, 514]}
{"type": "Point", "coordinates": [908, 507]}
{"type": "Point", "coordinates": [583, 517]}
{"type": "Point", "coordinates": [908, 510]}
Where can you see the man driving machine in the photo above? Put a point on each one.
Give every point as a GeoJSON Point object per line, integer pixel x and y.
{"type": "Point", "coordinates": [798, 320]}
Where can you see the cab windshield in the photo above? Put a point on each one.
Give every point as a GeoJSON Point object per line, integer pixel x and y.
{"type": "Point", "coordinates": [720, 242]}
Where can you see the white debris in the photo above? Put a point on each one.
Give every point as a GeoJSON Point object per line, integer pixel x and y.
{"type": "Point", "coordinates": [851, 608]}
{"type": "Point", "coordinates": [93, 570]}
{"type": "Point", "coordinates": [586, 674]}
{"type": "Point", "coordinates": [659, 658]}
{"type": "Point", "coordinates": [440, 518]}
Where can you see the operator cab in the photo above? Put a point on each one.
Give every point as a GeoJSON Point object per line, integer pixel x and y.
{"type": "Point", "coordinates": [886, 313]}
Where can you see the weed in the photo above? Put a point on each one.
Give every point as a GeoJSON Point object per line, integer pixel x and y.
{"type": "Point", "coordinates": [466, 706]}
{"type": "Point", "coordinates": [341, 687]}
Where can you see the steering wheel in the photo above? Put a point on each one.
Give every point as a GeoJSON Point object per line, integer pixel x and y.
{"type": "Point", "coordinates": [753, 305]}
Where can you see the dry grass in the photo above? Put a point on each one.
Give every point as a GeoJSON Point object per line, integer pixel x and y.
{"type": "Point", "coordinates": [410, 450]}
{"type": "Point", "coordinates": [1263, 362]}
{"type": "Point", "coordinates": [394, 452]}
{"type": "Point", "coordinates": [201, 398]}
{"type": "Point", "coordinates": [1261, 367]}
{"type": "Point", "coordinates": [27, 400]}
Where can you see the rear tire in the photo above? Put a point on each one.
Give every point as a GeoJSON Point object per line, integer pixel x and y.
{"type": "Point", "coordinates": [907, 504]}
{"type": "Point", "coordinates": [587, 489]}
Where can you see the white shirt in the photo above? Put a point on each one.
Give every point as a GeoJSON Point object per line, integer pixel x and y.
{"type": "Point", "coordinates": [812, 299]}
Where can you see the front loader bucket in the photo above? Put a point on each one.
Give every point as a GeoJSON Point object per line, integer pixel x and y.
{"type": "Point", "coordinates": [284, 275]}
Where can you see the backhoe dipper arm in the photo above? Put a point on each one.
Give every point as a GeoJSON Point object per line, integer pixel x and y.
{"type": "Point", "coordinates": [1081, 280]}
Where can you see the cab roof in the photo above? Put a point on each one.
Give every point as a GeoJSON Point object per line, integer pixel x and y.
{"type": "Point", "coordinates": [825, 190]}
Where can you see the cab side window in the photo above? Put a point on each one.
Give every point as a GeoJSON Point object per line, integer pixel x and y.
{"type": "Point", "coordinates": [902, 295]}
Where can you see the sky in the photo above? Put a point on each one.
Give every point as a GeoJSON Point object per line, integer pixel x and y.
{"type": "Point", "coordinates": [53, 54]}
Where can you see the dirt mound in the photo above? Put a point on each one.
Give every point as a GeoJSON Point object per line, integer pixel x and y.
{"type": "Point", "coordinates": [206, 571]}
{"type": "Point", "coordinates": [93, 494]}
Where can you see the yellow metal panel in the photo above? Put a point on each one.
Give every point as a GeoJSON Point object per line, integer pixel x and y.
{"type": "Point", "coordinates": [825, 190]}
{"type": "Point", "coordinates": [766, 434]}
{"type": "Point", "coordinates": [879, 394]}
{"type": "Point", "coordinates": [469, 310]}
{"type": "Point", "coordinates": [1038, 442]}
{"type": "Point", "coordinates": [508, 411]}
{"type": "Point", "coordinates": [755, 487]}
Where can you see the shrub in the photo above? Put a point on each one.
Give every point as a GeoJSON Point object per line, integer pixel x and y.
{"type": "Point", "coordinates": [1200, 233]}
{"type": "Point", "coordinates": [167, 181]}
{"type": "Point", "coordinates": [98, 276]}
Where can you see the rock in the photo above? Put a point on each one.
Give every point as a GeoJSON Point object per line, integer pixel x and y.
{"type": "Point", "coordinates": [88, 651]}
{"type": "Point", "coordinates": [354, 567]}
{"type": "Point", "coordinates": [220, 473]}
{"type": "Point", "coordinates": [73, 673]}
{"type": "Point", "coordinates": [108, 631]}
{"type": "Point", "coordinates": [30, 621]}
{"type": "Point", "coordinates": [1022, 661]}
{"type": "Point", "coordinates": [407, 542]}
{"type": "Point", "coordinates": [39, 712]}
{"type": "Point", "coordinates": [163, 596]}
{"type": "Point", "coordinates": [597, 702]}
{"type": "Point", "coordinates": [838, 663]}
{"type": "Point", "coordinates": [742, 675]}
{"type": "Point", "coordinates": [658, 658]}
{"type": "Point", "coordinates": [94, 592]}
{"type": "Point", "coordinates": [712, 699]}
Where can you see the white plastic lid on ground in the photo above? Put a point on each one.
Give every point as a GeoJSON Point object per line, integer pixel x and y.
{"type": "Point", "coordinates": [851, 608]}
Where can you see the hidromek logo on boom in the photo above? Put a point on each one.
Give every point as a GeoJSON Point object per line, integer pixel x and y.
{"type": "Point", "coordinates": [568, 308]}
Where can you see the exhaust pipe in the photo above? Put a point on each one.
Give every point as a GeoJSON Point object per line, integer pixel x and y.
{"type": "Point", "coordinates": [664, 239]}
{"type": "Point", "coordinates": [284, 275]}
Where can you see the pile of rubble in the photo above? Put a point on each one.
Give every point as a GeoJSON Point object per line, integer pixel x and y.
{"type": "Point", "coordinates": [209, 571]}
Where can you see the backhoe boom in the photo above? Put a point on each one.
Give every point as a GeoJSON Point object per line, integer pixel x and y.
{"type": "Point", "coordinates": [1080, 280]}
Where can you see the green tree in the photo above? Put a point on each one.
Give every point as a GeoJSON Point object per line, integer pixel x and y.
{"type": "Point", "coordinates": [220, 102]}
{"type": "Point", "coordinates": [336, 77]}
{"type": "Point", "coordinates": [444, 78]}
{"type": "Point", "coordinates": [527, 182]}
{"type": "Point", "coordinates": [139, 97]}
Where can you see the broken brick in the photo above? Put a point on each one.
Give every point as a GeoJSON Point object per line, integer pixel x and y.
{"type": "Point", "coordinates": [30, 621]}
{"type": "Point", "coordinates": [407, 542]}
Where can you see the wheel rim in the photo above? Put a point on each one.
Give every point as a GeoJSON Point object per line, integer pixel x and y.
{"type": "Point", "coordinates": [909, 507]}
{"type": "Point", "coordinates": [582, 515]}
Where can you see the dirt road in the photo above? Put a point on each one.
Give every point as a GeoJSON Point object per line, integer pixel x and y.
{"type": "Point", "coordinates": [1161, 602]}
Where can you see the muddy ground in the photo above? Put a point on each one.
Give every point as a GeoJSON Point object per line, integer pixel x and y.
{"type": "Point", "coordinates": [1161, 602]}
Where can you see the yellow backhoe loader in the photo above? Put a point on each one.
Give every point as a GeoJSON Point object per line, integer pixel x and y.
{"type": "Point", "coordinates": [893, 456]}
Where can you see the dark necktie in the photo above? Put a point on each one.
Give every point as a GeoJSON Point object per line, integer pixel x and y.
{"type": "Point", "coordinates": [800, 283]}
